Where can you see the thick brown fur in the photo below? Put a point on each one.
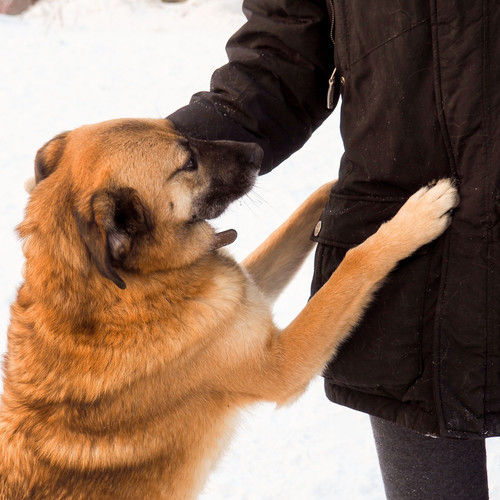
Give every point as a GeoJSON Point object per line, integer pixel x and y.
{"type": "Point", "coordinates": [134, 341]}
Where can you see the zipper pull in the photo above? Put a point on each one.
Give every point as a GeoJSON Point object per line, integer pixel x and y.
{"type": "Point", "coordinates": [330, 96]}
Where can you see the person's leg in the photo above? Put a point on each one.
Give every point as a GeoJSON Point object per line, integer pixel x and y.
{"type": "Point", "coordinates": [418, 467]}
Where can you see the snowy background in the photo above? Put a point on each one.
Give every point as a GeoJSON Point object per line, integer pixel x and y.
{"type": "Point", "coordinates": [68, 62]}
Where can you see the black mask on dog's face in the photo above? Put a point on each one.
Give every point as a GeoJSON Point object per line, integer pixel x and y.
{"type": "Point", "coordinates": [232, 168]}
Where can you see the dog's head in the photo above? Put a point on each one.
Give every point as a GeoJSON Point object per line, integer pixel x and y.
{"type": "Point", "coordinates": [138, 193]}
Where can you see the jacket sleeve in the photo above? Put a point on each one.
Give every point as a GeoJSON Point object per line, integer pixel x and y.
{"type": "Point", "coordinates": [273, 90]}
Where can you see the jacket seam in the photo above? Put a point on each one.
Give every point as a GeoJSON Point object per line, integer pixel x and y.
{"type": "Point", "coordinates": [390, 39]}
{"type": "Point", "coordinates": [438, 399]}
{"type": "Point", "coordinates": [439, 320]}
{"type": "Point", "coordinates": [334, 243]}
{"type": "Point", "coordinates": [488, 210]}
{"type": "Point", "coordinates": [347, 36]}
{"type": "Point", "coordinates": [420, 338]}
{"type": "Point", "coordinates": [439, 91]}
{"type": "Point", "coordinates": [370, 198]}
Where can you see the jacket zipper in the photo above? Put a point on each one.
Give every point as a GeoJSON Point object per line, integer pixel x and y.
{"type": "Point", "coordinates": [332, 26]}
{"type": "Point", "coordinates": [330, 97]}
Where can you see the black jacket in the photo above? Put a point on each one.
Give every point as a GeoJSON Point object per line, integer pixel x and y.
{"type": "Point", "coordinates": [420, 86]}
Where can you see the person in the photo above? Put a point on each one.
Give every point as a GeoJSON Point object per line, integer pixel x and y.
{"type": "Point", "coordinates": [419, 83]}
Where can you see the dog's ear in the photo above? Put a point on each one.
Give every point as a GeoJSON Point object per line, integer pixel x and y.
{"type": "Point", "coordinates": [117, 219]}
{"type": "Point", "coordinates": [48, 156]}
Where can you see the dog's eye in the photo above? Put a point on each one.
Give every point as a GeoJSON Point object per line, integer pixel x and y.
{"type": "Point", "coordinates": [190, 165]}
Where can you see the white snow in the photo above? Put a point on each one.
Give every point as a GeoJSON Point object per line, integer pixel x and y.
{"type": "Point", "coordinates": [69, 62]}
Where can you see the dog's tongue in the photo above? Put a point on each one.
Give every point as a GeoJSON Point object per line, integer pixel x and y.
{"type": "Point", "coordinates": [224, 238]}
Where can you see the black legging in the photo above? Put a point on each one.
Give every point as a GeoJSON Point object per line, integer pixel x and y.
{"type": "Point", "coordinates": [419, 467]}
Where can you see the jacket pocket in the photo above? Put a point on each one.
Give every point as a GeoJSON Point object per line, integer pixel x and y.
{"type": "Point", "coordinates": [384, 353]}
{"type": "Point", "coordinates": [348, 220]}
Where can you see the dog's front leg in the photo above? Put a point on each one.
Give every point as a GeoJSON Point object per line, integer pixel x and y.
{"type": "Point", "coordinates": [273, 263]}
{"type": "Point", "coordinates": [300, 351]}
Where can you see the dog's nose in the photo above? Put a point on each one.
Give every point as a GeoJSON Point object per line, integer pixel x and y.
{"type": "Point", "coordinates": [254, 153]}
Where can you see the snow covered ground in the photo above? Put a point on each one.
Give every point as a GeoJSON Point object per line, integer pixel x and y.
{"type": "Point", "coordinates": [69, 62]}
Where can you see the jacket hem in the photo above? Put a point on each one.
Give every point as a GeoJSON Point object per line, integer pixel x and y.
{"type": "Point", "coordinates": [405, 414]}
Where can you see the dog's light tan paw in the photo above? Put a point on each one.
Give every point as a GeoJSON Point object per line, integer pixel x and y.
{"type": "Point", "coordinates": [426, 214]}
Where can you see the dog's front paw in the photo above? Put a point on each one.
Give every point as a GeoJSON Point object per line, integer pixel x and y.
{"type": "Point", "coordinates": [426, 214]}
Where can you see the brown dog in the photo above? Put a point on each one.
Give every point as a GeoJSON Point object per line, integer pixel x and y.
{"type": "Point", "coordinates": [134, 340]}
